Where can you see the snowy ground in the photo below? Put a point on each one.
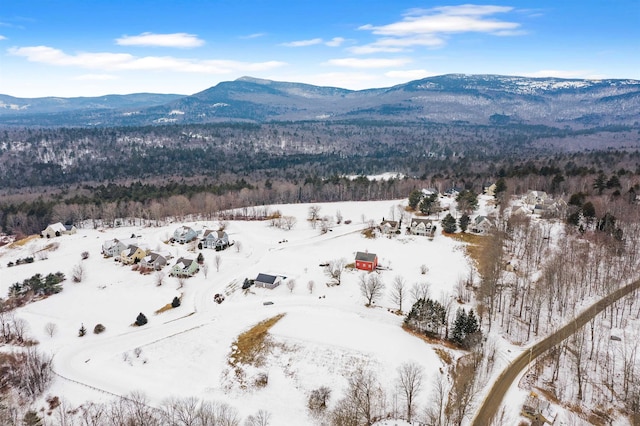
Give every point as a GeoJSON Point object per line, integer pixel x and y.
{"type": "Point", "coordinates": [322, 338]}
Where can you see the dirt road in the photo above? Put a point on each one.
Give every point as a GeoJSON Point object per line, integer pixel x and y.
{"type": "Point", "coordinates": [493, 400]}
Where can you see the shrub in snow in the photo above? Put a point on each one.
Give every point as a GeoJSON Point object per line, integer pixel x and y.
{"type": "Point", "coordinates": [318, 399]}
{"type": "Point", "coordinates": [262, 379]}
{"type": "Point", "coordinates": [99, 328]}
{"type": "Point", "coordinates": [141, 319]}
{"type": "Point", "coordinates": [175, 302]}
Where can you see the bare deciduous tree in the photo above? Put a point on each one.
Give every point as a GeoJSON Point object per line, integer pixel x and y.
{"type": "Point", "coordinates": [217, 261]}
{"type": "Point", "coordinates": [334, 270]}
{"type": "Point", "coordinates": [159, 278]}
{"type": "Point", "coordinates": [410, 376]}
{"type": "Point", "coordinates": [77, 273]}
{"type": "Point", "coordinates": [205, 269]}
{"type": "Point", "coordinates": [310, 286]}
{"type": "Point", "coordinates": [398, 291]}
{"type": "Point", "coordinates": [339, 217]}
{"type": "Point", "coordinates": [51, 329]}
{"type": "Point", "coordinates": [291, 284]}
{"type": "Point", "coordinates": [420, 290]}
{"type": "Point", "coordinates": [289, 222]}
{"type": "Point", "coordinates": [261, 418]}
{"type": "Point", "coordinates": [238, 246]}
{"type": "Point", "coordinates": [314, 215]}
{"type": "Point", "coordinates": [371, 287]}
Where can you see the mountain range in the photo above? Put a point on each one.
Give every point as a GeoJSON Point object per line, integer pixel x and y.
{"type": "Point", "coordinates": [453, 98]}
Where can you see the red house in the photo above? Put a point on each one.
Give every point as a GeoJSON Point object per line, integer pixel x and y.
{"type": "Point", "coordinates": [366, 261]}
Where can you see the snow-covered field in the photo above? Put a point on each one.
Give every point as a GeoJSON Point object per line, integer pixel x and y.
{"type": "Point", "coordinates": [324, 336]}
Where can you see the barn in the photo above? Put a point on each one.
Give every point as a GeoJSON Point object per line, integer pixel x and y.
{"type": "Point", "coordinates": [366, 261]}
{"type": "Point", "coordinates": [267, 281]}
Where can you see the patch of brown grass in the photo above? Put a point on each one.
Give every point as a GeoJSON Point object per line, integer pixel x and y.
{"type": "Point", "coordinates": [475, 245]}
{"type": "Point", "coordinates": [429, 339]}
{"type": "Point", "coordinates": [369, 233]}
{"type": "Point", "coordinates": [23, 241]}
{"type": "Point", "coordinates": [444, 355]}
{"type": "Point", "coordinates": [251, 346]}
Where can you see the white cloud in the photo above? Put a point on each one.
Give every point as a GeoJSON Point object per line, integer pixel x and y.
{"type": "Point", "coordinates": [123, 61]}
{"type": "Point", "coordinates": [368, 63]}
{"type": "Point", "coordinates": [2, 37]}
{"type": "Point", "coordinates": [335, 42]}
{"type": "Point", "coordinates": [182, 40]}
{"type": "Point", "coordinates": [255, 35]}
{"type": "Point", "coordinates": [95, 77]}
{"type": "Point", "coordinates": [303, 43]}
{"type": "Point", "coordinates": [430, 27]}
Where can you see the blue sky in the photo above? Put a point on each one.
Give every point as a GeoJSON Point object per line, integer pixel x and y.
{"type": "Point", "coordinates": [92, 48]}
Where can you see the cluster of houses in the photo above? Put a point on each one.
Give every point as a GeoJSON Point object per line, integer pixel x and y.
{"type": "Point", "coordinates": [130, 251]}
{"type": "Point", "coordinates": [218, 240]}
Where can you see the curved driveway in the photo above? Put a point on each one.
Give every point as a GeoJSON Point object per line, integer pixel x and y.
{"type": "Point", "coordinates": [493, 400]}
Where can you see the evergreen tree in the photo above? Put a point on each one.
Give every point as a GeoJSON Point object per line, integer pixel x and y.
{"type": "Point", "coordinates": [599, 184]}
{"type": "Point", "coordinates": [459, 326]}
{"type": "Point", "coordinates": [501, 187]}
{"type": "Point", "coordinates": [31, 418]}
{"type": "Point", "coordinates": [82, 331]}
{"type": "Point", "coordinates": [467, 201]}
{"type": "Point", "coordinates": [429, 204]}
{"type": "Point", "coordinates": [426, 316]}
{"type": "Point", "coordinates": [449, 224]}
{"type": "Point", "coordinates": [175, 302]}
{"type": "Point", "coordinates": [141, 319]}
{"type": "Point", "coordinates": [414, 198]}
{"type": "Point", "coordinates": [463, 222]}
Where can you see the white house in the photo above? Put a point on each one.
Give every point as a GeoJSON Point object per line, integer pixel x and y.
{"type": "Point", "coordinates": [57, 229]}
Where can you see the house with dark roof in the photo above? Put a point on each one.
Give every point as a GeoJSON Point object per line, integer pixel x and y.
{"type": "Point", "coordinates": [481, 225]}
{"type": "Point", "coordinates": [218, 240]}
{"type": "Point", "coordinates": [389, 226]}
{"type": "Point", "coordinates": [132, 254]}
{"type": "Point", "coordinates": [184, 268]}
{"type": "Point", "coordinates": [184, 234]}
{"type": "Point", "coordinates": [154, 260]}
{"type": "Point", "coordinates": [267, 281]}
{"type": "Point", "coordinates": [366, 261]}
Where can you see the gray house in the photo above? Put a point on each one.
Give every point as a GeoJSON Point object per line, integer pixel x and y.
{"type": "Point", "coordinates": [154, 260]}
{"type": "Point", "coordinates": [215, 239]}
{"type": "Point", "coordinates": [111, 248]}
{"type": "Point", "coordinates": [481, 225]}
{"type": "Point", "coordinates": [184, 234]}
{"type": "Point", "coordinates": [267, 281]}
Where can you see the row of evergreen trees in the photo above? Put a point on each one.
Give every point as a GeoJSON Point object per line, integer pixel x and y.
{"type": "Point", "coordinates": [39, 285]}
{"type": "Point", "coordinates": [429, 317]}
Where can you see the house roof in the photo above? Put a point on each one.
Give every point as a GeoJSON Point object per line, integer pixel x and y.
{"type": "Point", "coordinates": [215, 234]}
{"type": "Point", "coordinates": [392, 223]}
{"type": "Point", "coordinates": [152, 257]}
{"type": "Point", "coordinates": [266, 278]}
{"type": "Point", "coordinates": [366, 257]}
{"type": "Point", "coordinates": [131, 250]}
{"type": "Point", "coordinates": [182, 231]}
{"type": "Point", "coordinates": [416, 221]}
{"type": "Point", "coordinates": [183, 263]}
{"type": "Point", "coordinates": [480, 219]}
{"type": "Point", "coordinates": [57, 227]}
